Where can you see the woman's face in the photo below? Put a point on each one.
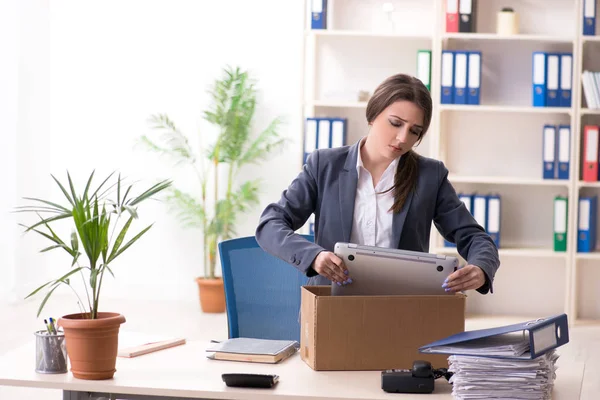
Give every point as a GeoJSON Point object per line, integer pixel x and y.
{"type": "Point", "coordinates": [397, 129]}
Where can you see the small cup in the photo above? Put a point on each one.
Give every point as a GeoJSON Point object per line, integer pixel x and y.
{"type": "Point", "coordinates": [50, 353]}
{"type": "Point", "coordinates": [507, 22]}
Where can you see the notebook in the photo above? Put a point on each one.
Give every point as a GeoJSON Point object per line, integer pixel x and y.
{"type": "Point", "coordinates": [253, 350]}
{"type": "Point", "coordinates": [133, 344]}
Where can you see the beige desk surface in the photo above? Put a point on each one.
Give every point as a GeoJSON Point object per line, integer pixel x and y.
{"type": "Point", "coordinates": [184, 371]}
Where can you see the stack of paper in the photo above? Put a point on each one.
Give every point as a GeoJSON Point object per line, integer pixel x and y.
{"type": "Point", "coordinates": [591, 88]}
{"type": "Point", "coordinates": [494, 378]}
{"type": "Point", "coordinates": [505, 345]}
{"type": "Point", "coordinates": [514, 362]}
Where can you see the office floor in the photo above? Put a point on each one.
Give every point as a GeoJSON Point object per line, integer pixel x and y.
{"type": "Point", "coordinates": [174, 318]}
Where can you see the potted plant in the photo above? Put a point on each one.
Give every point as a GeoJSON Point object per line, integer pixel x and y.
{"type": "Point", "coordinates": [101, 223]}
{"type": "Point", "coordinates": [233, 102]}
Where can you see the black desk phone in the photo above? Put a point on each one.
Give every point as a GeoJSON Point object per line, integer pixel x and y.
{"type": "Point", "coordinates": [250, 380]}
{"type": "Point", "coordinates": [419, 379]}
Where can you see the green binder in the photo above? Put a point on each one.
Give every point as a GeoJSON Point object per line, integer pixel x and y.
{"type": "Point", "coordinates": [560, 223]}
{"type": "Point", "coordinates": [424, 67]}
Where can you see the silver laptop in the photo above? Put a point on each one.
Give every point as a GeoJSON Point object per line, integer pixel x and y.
{"type": "Point", "coordinates": [384, 271]}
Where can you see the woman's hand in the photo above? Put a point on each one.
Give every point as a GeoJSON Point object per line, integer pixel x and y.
{"type": "Point", "coordinates": [332, 267]}
{"type": "Point", "coordinates": [467, 278]}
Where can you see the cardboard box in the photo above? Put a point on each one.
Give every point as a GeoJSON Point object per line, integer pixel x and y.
{"type": "Point", "coordinates": [375, 332]}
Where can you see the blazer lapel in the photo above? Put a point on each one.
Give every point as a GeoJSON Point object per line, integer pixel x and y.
{"type": "Point", "coordinates": [347, 188]}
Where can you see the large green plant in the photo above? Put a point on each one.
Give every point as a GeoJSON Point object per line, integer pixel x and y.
{"type": "Point", "coordinates": [95, 217]}
{"type": "Point", "coordinates": [232, 107]}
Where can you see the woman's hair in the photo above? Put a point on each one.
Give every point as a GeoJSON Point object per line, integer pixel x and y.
{"type": "Point", "coordinates": [397, 88]}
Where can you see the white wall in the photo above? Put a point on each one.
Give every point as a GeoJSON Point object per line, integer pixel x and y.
{"type": "Point", "coordinates": [103, 69]}
{"type": "Point", "coordinates": [9, 25]}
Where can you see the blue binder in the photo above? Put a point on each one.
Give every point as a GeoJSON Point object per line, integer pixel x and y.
{"type": "Point", "coordinates": [467, 200]}
{"type": "Point", "coordinates": [586, 228]}
{"type": "Point", "coordinates": [552, 79]}
{"type": "Point", "coordinates": [324, 133]}
{"type": "Point", "coordinates": [474, 81]}
{"type": "Point", "coordinates": [544, 334]}
{"type": "Point", "coordinates": [493, 218]}
{"type": "Point", "coordinates": [447, 77]}
{"type": "Point", "coordinates": [318, 14]}
{"type": "Point", "coordinates": [338, 132]}
{"type": "Point", "coordinates": [480, 210]}
{"type": "Point", "coordinates": [549, 152]}
{"type": "Point", "coordinates": [538, 73]}
{"type": "Point", "coordinates": [461, 73]}
{"type": "Point", "coordinates": [566, 79]}
{"type": "Point", "coordinates": [589, 17]}
{"type": "Point", "coordinates": [310, 137]}
{"type": "Point", "coordinates": [564, 151]}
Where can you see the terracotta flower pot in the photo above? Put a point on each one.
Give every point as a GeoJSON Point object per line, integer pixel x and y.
{"type": "Point", "coordinates": [92, 344]}
{"type": "Point", "coordinates": [212, 295]}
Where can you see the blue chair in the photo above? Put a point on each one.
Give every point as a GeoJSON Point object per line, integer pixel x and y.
{"type": "Point", "coordinates": [262, 292]}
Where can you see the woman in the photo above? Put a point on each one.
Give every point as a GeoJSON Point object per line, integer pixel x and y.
{"type": "Point", "coordinates": [378, 192]}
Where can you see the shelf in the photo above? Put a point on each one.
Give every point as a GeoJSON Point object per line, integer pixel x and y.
{"type": "Point", "coordinates": [506, 109]}
{"type": "Point", "coordinates": [583, 184]}
{"type": "Point", "coordinates": [590, 38]}
{"type": "Point", "coordinates": [521, 37]}
{"type": "Point", "coordinates": [588, 256]}
{"type": "Point", "coordinates": [512, 252]}
{"type": "Point", "coordinates": [507, 180]}
{"type": "Point", "coordinates": [366, 34]}
{"type": "Point", "coordinates": [590, 111]}
{"type": "Point", "coordinates": [338, 103]}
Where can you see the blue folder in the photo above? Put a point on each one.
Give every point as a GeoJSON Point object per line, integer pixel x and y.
{"type": "Point", "coordinates": [589, 17]}
{"type": "Point", "coordinates": [586, 229]}
{"type": "Point", "coordinates": [318, 14]}
{"type": "Point", "coordinates": [545, 334]}
{"type": "Point", "coordinates": [538, 78]}
{"type": "Point", "coordinates": [563, 145]}
{"type": "Point", "coordinates": [550, 152]}
{"type": "Point", "coordinates": [552, 79]}
{"type": "Point", "coordinates": [447, 95]}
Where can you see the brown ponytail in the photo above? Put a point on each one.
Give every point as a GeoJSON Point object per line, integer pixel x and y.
{"type": "Point", "coordinates": [397, 88]}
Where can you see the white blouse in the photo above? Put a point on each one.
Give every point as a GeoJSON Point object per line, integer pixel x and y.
{"type": "Point", "coordinates": [372, 219]}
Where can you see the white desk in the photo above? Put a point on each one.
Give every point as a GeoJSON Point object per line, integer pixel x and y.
{"type": "Point", "coordinates": [185, 372]}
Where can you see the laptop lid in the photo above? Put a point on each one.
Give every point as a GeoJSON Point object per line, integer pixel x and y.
{"type": "Point", "coordinates": [385, 271]}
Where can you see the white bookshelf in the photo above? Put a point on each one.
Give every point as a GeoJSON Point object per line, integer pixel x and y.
{"type": "Point", "coordinates": [517, 37]}
{"type": "Point", "coordinates": [367, 34]}
{"type": "Point", "coordinates": [506, 180]}
{"type": "Point", "coordinates": [504, 109]}
{"type": "Point", "coordinates": [494, 147]}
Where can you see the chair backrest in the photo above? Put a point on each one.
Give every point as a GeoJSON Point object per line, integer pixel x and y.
{"type": "Point", "coordinates": [262, 292]}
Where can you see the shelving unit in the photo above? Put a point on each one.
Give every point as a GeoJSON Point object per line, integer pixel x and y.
{"type": "Point", "coordinates": [504, 109]}
{"type": "Point", "coordinates": [494, 147]}
{"type": "Point", "coordinates": [519, 37]}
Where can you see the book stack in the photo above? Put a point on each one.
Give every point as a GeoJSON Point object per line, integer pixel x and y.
{"type": "Point", "coordinates": [253, 350]}
{"type": "Point", "coordinates": [511, 362]}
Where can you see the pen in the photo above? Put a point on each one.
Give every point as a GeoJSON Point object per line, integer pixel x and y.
{"type": "Point", "coordinates": [53, 325]}
{"type": "Point", "coordinates": [48, 327]}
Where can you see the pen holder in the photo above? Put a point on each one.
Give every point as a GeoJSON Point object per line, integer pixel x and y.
{"type": "Point", "coordinates": [50, 353]}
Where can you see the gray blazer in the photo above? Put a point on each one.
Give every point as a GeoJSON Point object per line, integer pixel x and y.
{"type": "Point", "coordinates": [326, 187]}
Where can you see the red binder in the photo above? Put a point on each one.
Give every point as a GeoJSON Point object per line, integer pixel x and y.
{"type": "Point", "coordinates": [452, 15]}
{"type": "Point", "coordinates": [590, 153]}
